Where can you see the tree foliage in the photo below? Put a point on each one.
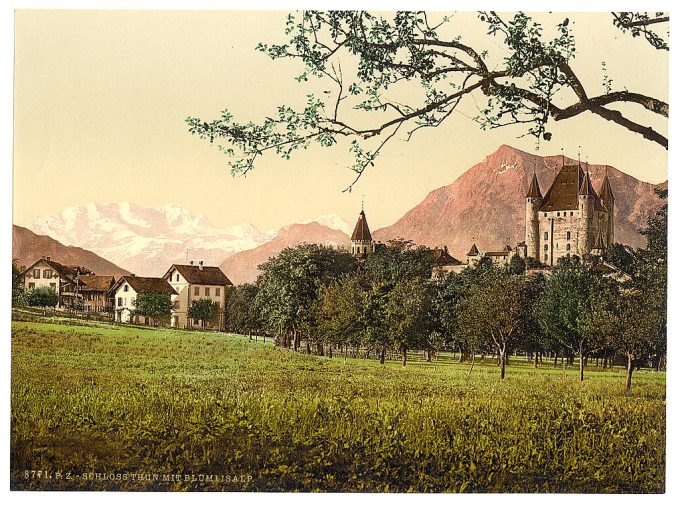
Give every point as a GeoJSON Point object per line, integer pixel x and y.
{"type": "Point", "coordinates": [523, 75]}
{"type": "Point", "coordinates": [153, 305]}
{"type": "Point", "coordinates": [42, 296]}
{"type": "Point", "coordinates": [206, 310]}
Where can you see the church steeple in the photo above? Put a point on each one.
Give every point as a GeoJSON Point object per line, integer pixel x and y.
{"type": "Point", "coordinates": [362, 241]}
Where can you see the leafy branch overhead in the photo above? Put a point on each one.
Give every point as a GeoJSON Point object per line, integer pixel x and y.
{"type": "Point", "coordinates": [410, 74]}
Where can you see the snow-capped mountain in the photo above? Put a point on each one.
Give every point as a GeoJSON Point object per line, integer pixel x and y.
{"type": "Point", "coordinates": [332, 221]}
{"type": "Point", "coordinates": [147, 239]}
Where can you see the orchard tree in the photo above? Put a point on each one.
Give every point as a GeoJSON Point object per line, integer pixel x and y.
{"type": "Point", "coordinates": [339, 313]}
{"type": "Point", "coordinates": [374, 318]}
{"type": "Point", "coordinates": [408, 71]}
{"type": "Point", "coordinates": [408, 315]}
{"type": "Point", "coordinates": [156, 306]}
{"type": "Point", "coordinates": [241, 313]}
{"type": "Point", "coordinates": [494, 311]}
{"type": "Point", "coordinates": [638, 331]}
{"type": "Point", "coordinates": [205, 310]}
{"type": "Point", "coordinates": [397, 260]}
{"type": "Point", "coordinates": [17, 281]}
{"type": "Point", "coordinates": [565, 300]}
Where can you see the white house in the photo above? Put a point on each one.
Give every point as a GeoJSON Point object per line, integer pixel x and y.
{"type": "Point", "coordinates": [128, 288]}
{"type": "Point", "coordinates": [60, 278]}
{"type": "Point", "coordinates": [195, 282]}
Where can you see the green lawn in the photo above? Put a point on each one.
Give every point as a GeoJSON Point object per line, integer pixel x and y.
{"type": "Point", "coordinates": [155, 409]}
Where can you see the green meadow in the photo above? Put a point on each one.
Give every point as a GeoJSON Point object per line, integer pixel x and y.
{"type": "Point", "coordinates": [101, 407]}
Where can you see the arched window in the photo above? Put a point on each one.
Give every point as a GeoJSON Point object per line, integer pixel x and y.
{"type": "Point", "coordinates": [558, 213]}
{"type": "Point", "coordinates": [545, 236]}
{"type": "Point", "coordinates": [568, 236]}
{"type": "Point", "coordinates": [545, 247]}
{"type": "Point", "coordinates": [545, 257]}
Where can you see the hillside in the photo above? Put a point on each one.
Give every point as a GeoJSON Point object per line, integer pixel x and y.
{"type": "Point", "coordinates": [485, 205]}
{"type": "Point", "coordinates": [28, 247]}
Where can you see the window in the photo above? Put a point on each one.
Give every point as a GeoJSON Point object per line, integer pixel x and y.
{"type": "Point", "coordinates": [571, 213]}
{"type": "Point", "coordinates": [207, 291]}
{"type": "Point", "coordinates": [545, 215]}
{"type": "Point", "coordinates": [125, 288]}
{"type": "Point", "coordinates": [36, 273]}
{"type": "Point", "coordinates": [545, 236]}
{"type": "Point", "coordinates": [545, 247]}
{"type": "Point", "coordinates": [557, 246]}
{"type": "Point", "coordinates": [47, 273]}
{"type": "Point", "coordinates": [568, 247]}
{"type": "Point", "coordinates": [120, 301]}
{"type": "Point", "coordinates": [31, 285]}
{"type": "Point", "coordinates": [558, 213]}
{"type": "Point", "coordinates": [568, 236]}
{"type": "Point", "coordinates": [53, 286]}
{"type": "Point", "coordinates": [177, 278]}
{"type": "Point", "coordinates": [197, 291]}
{"type": "Point", "coordinates": [217, 292]}
{"type": "Point", "coordinates": [545, 257]}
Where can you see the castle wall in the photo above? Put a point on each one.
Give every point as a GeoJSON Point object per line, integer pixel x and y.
{"type": "Point", "coordinates": [558, 235]}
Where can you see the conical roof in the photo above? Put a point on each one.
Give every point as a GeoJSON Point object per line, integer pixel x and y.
{"type": "Point", "coordinates": [534, 189]}
{"type": "Point", "coordinates": [473, 251]}
{"type": "Point", "coordinates": [587, 187]}
{"type": "Point", "coordinates": [361, 230]}
{"type": "Point", "coordinates": [606, 193]}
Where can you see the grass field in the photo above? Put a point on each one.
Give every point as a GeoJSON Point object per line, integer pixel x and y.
{"type": "Point", "coordinates": [124, 408]}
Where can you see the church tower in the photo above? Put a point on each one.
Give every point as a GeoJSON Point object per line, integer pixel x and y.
{"type": "Point", "coordinates": [586, 203]}
{"type": "Point", "coordinates": [533, 202]}
{"type": "Point", "coordinates": [362, 241]}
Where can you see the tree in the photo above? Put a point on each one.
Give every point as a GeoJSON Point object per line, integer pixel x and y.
{"type": "Point", "coordinates": [638, 330]}
{"type": "Point", "coordinates": [339, 312]}
{"type": "Point", "coordinates": [524, 75]}
{"type": "Point", "coordinates": [494, 311]}
{"type": "Point", "coordinates": [397, 260]}
{"type": "Point", "coordinates": [17, 281]}
{"type": "Point", "coordinates": [408, 315]}
{"type": "Point", "coordinates": [42, 296]}
{"type": "Point", "coordinates": [156, 306]}
{"type": "Point", "coordinates": [241, 313]}
{"type": "Point", "coordinates": [290, 283]}
{"type": "Point", "coordinates": [374, 318]}
{"type": "Point", "coordinates": [517, 265]}
{"type": "Point", "coordinates": [205, 310]}
{"type": "Point", "coordinates": [565, 300]}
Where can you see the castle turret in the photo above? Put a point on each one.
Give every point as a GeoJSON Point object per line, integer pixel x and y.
{"type": "Point", "coordinates": [533, 201]}
{"type": "Point", "coordinates": [607, 197]}
{"type": "Point", "coordinates": [599, 247]}
{"type": "Point", "coordinates": [586, 204]}
{"type": "Point", "coordinates": [362, 241]}
{"type": "Point", "coordinates": [473, 255]}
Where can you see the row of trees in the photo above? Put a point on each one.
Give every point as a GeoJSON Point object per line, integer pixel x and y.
{"type": "Point", "coordinates": [320, 296]}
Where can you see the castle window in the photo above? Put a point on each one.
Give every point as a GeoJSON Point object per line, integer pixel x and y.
{"type": "Point", "coordinates": [545, 236]}
{"type": "Point", "coordinates": [558, 213]}
{"type": "Point", "coordinates": [545, 215]}
{"type": "Point", "coordinates": [571, 213]}
{"type": "Point", "coordinates": [568, 236]}
{"type": "Point", "coordinates": [568, 247]}
{"type": "Point", "coordinates": [557, 246]}
{"type": "Point", "coordinates": [545, 247]}
{"type": "Point", "coordinates": [545, 257]}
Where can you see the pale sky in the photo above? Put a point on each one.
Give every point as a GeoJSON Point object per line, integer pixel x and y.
{"type": "Point", "coordinates": [101, 98]}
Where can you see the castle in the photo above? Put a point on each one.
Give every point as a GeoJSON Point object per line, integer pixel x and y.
{"type": "Point", "coordinates": [571, 219]}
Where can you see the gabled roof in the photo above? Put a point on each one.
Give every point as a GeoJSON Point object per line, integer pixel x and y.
{"type": "Point", "coordinates": [503, 253]}
{"type": "Point", "coordinates": [441, 257]}
{"type": "Point", "coordinates": [145, 285]}
{"type": "Point", "coordinates": [563, 193]}
{"type": "Point", "coordinates": [361, 230]}
{"type": "Point", "coordinates": [606, 193]}
{"type": "Point", "coordinates": [473, 251]}
{"type": "Point", "coordinates": [534, 189]}
{"type": "Point", "coordinates": [201, 275]}
{"type": "Point", "coordinates": [92, 283]}
{"type": "Point", "coordinates": [65, 271]}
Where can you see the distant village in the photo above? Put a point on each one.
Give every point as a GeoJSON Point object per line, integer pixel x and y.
{"type": "Point", "coordinates": [571, 218]}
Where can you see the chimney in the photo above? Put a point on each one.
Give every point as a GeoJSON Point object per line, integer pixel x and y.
{"type": "Point", "coordinates": [200, 265]}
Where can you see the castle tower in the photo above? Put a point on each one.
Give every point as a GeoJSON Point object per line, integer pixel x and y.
{"type": "Point", "coordinates": [533, 201]}
{"type": "Point", "coordinates": [362, 241]}
{"type": "Point", "coordinates": [607, 197]}
{"type": "Point", "coordinates": [586, 204]}
{"type": "Point", "coordinates": [599, 247]}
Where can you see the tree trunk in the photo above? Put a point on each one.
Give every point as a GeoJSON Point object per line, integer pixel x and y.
{"type": "Point", "coordinates": [472, 364]}
{"type": "Point", "coordinates": [330, 351]}
{"type": "Point", "coordinates": [555, 361]}
{"type": "Point", "coordinates": [503, 356]}
{"type": "Point", "coordinates": [309, 351]}
{"type": "Point", "coordinates": [403, 357]}
{"type": "Point", "coordinates": [319, 349]}
{"type": "Point", "coordinates": [536, 360]}
{"type": "Point", "coordinates": [629, 371]}
{"type": "Point", "coordinates": [581, 361]}
{"type": "Point", "coordinates": [382, 355]}
{"type": "Point", "coordinates": [345, 354]}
